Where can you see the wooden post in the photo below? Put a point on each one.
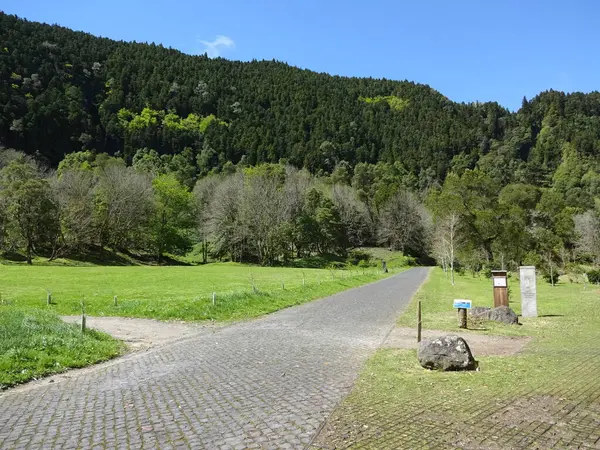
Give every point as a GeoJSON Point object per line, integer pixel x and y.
{"type": "Point", "coordinates": [115, 300]}
{"type": "Point", "coordinates": [82, 317]}
{"type": "Point", "coordinates": [214, 298]}
{"type": "Point", "coordinates": [462, 318]}
{"type": "Point", "coordinates": [419, 323]}
{"type": "Point", "coordinates": [500, 284]}
{"type": "Point", "coordinates": [49, 298]}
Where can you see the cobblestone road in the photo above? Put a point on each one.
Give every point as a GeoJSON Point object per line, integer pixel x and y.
{"type": "Point", "coordinates": [268, 383]}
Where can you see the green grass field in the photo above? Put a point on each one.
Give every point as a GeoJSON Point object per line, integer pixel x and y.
{"type": "Point", "coordinates": [35, 343]}
{"type": "Point", "coordinates": [394, 388]}
{"type": "Point", "coordinates": [175, 292]}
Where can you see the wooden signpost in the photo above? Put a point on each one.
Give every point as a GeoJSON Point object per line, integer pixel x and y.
{"type": "Point", "coordinates": [500, 280]}
{"type": "Point", "coordinates": [462, 305]}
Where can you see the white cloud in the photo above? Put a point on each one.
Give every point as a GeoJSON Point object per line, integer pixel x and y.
{"type": "Point", "coordinates": [213, 48]}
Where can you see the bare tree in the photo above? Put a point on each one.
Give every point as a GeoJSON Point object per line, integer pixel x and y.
{"type": "Point", "coordinates": [354, 214]}
{"type": "Point", "coordinates": [445, 241]}
{"type": "Point", "coordinates": [402, 223]}
{"type": "Point", "coordinates": [7, 155]}
{"type": "Point", "coordinates": [225, 231]}
{"type": "Point", "coordinates": [297, 183]}
{"type": "Point", "coordinates": [263, 213]}
{"type": "Point", "coordinates": [74, 194]}
{"type": "Point", "coordinates": [123, 205]}
{"type": "Point", "coordinates": [203, 193]}
{"type": "Point", "coordinates": [587, 228]}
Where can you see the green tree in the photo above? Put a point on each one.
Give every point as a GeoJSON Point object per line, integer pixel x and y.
{"type": "Point", "coordinates": [473, 197]}
{"type": "Point", "coordinates": [30, 209]}
{"type": "Point", "coordinates": [173, 218]}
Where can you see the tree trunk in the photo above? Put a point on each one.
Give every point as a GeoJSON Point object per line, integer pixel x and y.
{"type": "Point", "coordinates": [551, 275]}
{"type": "Point", "coordinates": [29, 252]}
{"type": "Point", "coordinates": [452, 259]}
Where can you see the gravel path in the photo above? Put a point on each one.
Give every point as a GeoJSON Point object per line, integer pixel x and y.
{"type": "Point", "coordinates": [142, 334]}
{"type": "Point", "coordinates": [480, 344]}
{"type": "Point", "coordinates": [268, 383]}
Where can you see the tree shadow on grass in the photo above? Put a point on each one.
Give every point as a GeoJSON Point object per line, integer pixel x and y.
{"type": "Point", "coordinates": [97, 256]}
{"type": "Point", "coordinates": [14, 257]}
{"type": "Point", "coordinates": [102, 257]}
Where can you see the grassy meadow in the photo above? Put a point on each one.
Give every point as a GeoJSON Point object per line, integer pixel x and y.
{"type": "Point", "coordinates": [564, 338]}
{"type": "Point", "coordinates": [174, 292]}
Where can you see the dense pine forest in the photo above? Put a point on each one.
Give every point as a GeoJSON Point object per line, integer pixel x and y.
{"type": "Point", "coordinates": [142, 148]}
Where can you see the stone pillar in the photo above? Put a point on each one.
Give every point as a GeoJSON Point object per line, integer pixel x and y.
{"type": "Point", "coordinates": [528, 291]}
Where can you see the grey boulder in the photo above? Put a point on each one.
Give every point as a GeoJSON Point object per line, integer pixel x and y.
{"type": "Point", "coordinates": [501, 314]}
{"type": "Point", "coordinates": [477, 311]}
{"type": "Point", "coordinates": [448, 353]}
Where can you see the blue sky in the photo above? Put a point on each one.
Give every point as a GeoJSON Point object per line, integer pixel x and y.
{"type": "Point", "coordinates": [468, 50]}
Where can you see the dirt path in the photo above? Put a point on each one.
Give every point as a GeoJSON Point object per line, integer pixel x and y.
{"type": "Point", "coordinates": [480, 344]}
{"type": "Point", "coordinates": [141, 334]}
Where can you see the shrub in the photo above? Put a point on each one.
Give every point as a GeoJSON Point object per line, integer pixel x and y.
{"type": "Point", "coordinates": [363, 264]}
{"type": "Point", "coordinates": [593, 276]}
{"type": "Point", "coordinates": [356, 257]}
{"type": "Point", "coordinates": [409, 261]}
{"type": "Point", "coordinates": [551, 278]}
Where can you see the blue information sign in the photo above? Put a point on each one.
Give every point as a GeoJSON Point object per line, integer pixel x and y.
{"type": "Point", "coordinates": [461, 303]}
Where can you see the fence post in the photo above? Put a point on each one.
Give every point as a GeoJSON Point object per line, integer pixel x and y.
{"type": "Point", "coordinates": [419, 322]}
{"type": "Point", "coordinates": [82, 316]}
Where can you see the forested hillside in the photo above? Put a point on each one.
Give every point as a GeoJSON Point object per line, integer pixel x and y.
{"type": "Point", "coordinates": [123, 121]}
{"type": "Point", "coordinates": [64, 91]}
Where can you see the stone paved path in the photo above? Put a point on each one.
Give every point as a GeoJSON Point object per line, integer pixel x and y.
{"type": "Point", "coordinates": [268, 383]}
{"type": "Point", "coordinates": [562, 414]}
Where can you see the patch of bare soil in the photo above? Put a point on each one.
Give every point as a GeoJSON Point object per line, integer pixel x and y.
{"type": "Point", "coordinates": [141, 334]}
{"type": "Point", "coordinates": [480, 344]}
{"type": "Point", "coordinates": [541, 408]}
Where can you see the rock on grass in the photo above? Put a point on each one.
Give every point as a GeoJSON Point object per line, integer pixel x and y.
{"type": "Point", "coordinates": [447, 353]}
{"type": "Point", "coordinates": [501, 314]}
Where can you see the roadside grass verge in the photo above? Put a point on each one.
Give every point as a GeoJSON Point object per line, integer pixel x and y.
{"type": "Point", "coordinates": [438, 295]}
{"type": "Point", "coordinates": [396, 400]}
{"type": "Point", "coordinates": [182, 293]}
{"type": "Point", "coordinates": [35, 343]}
